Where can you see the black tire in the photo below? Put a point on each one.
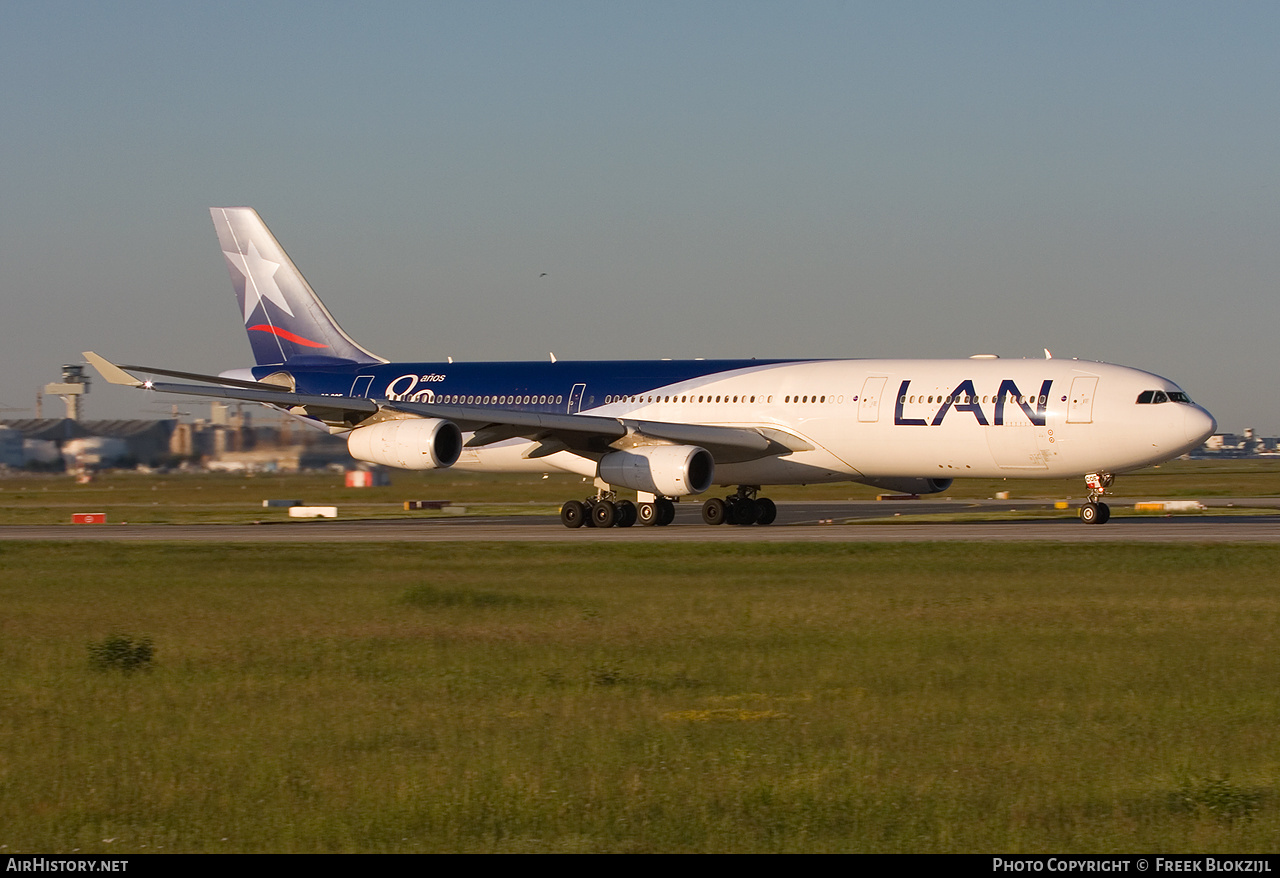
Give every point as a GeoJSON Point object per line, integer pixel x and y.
{"type": "Point", "coordinates": [666, 512]}
{"type": "Point", "coordinates": [768, 511]}
{"type": "Point", "coordinates": [627, 513]}
{"type": "Point", "coordinates": [1090, 514]}
{"type": "Point", "coordinates": [730, 510]}
{"type": "Point", "coordinates": [745, 511]}
{"type": "Point", "coordinates": [573, 514]}
{"type": "Point", "coordinates": [714, 511]}
{"type": "Point", "coordinates": [648, 514]}
{"type": "Point", "coordinates": [1104, 513]}
{"type": "Point", "coordinates": [604, 514]}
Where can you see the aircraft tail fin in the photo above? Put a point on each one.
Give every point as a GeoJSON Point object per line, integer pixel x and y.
{"type": "Point", "coordinates": [282, 314]}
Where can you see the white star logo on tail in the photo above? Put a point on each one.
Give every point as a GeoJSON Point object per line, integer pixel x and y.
{"type": "Point", "coordinates": [259, 280]}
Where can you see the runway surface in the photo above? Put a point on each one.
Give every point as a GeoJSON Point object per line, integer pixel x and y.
{"type": "Point", "coordinates": [819, 521]}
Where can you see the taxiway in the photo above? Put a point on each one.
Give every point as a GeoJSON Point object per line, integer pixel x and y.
{"type": "Point", "coordinates": [817, 521]}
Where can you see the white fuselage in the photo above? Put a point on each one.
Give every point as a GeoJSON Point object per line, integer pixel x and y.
{"type": "Point", "coordinates": [886, 419]}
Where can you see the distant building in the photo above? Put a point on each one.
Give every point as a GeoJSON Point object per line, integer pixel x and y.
{"type": "Point", "coordinates": [1246, 444]}
{"type": "Point", "coordinates": [11, 453]}
{"type": "Point", "coordinates": [227, 441]}
{"type": "Point", "coordinates": [130, 441]}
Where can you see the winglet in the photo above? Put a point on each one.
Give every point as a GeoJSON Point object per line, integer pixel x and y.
{"type": "Point", "coordinates": [110, 371]}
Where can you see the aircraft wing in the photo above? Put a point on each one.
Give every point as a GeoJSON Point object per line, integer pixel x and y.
{"type": "Point", "coordinates": [587, 435]}
{"type": "Point", "coordinates": [595, 434]}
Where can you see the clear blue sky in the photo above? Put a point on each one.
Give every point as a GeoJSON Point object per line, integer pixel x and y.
{"type": "Point", "coordinates": [697, 179]}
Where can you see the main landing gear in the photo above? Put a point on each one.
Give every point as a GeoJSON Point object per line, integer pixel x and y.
{"type": "Point", "coordinates": [606, 510]}
{"type": "Point", "coordinates": [660, 513]}
{"type": "Point", "coordinates": [1095, 511]}
{"type": "Point", "coordinates": [743, 508]}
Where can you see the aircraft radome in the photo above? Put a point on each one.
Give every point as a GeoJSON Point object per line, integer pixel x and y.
{"type": "Point", "coordinates": [672, 429]}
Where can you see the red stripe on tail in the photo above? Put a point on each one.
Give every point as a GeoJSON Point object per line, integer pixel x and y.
{"type": "Point", "coordinates": [286, 335]}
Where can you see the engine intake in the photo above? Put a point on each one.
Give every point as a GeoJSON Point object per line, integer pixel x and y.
{"type": "Point", "coordinates": [668, 470]}
{"type": "Point", "coordinates": [412, 443]}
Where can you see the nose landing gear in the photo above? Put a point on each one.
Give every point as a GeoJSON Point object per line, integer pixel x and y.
{"type": "Point", "coordinates": [1094, 511]}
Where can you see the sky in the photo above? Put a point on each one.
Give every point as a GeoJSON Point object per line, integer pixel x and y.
{"type": "Point", "coordinates": [695, 179]}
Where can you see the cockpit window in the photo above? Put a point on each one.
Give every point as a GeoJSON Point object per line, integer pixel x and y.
{"type": "Point", "coordinates": [1155, 397]}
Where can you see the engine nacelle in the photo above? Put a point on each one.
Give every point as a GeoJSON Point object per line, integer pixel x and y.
{"type": "Point", "coordinates": [910, 486]}
{"type": "Point", "coordinates": [669, 470]}
{"type": "Point", "coordinates": [412, 443]}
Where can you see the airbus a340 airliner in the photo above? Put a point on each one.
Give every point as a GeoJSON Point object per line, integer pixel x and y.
{"type": "Point", "coordinates": [671, 429]}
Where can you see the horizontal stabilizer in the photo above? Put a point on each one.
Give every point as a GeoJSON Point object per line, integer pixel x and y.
{"type": "Point", "coordinates": [356, 405]}
{"type": "Point", "coordinates": [112, 373]}
{"type": "Point", "coordinates": [118, 374]}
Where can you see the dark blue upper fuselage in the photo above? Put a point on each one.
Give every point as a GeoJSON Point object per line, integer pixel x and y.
{"type": "Point", "coordinates": [534, 386]}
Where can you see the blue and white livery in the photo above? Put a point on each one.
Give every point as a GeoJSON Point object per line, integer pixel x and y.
{"type": "Point", "coordinates": [670, 429]}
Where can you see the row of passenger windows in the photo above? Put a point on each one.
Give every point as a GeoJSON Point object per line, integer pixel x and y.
{"type": "Point", "coordinates": [1155, 397]}
{"type": "Point", "coordinates": [456, 399]}
{"type": "Point", "coordinates": [685, 398]}
{"type": "Point", "coordinates": [970, 400]}
{"type": "Point", "coordinates": [714, 399]}
{"type": "Point", "coordinates": [1147, 396]}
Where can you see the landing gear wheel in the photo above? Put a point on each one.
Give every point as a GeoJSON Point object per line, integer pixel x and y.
{"type": "Point", "coordinates": [666, 512]}
{"type": "Point", "coordinates": [714, 511]}
{"type": "Point", "coordinates": [730, 510]}
{"type": "Point", "coordinates": [1093, 513]}
{"type": "Point", "coordinates": [768, 510]}
{"type": "Point", "coordinates": [627, 513]}
{"type": "Point", "coordinates": [745, 511]}
{"type": "Point", "coordinates": [648, 514]}
{"type": "Point", "coordinates": [573, 514]}
{"type": "Point", "coordinates": [604, 514]}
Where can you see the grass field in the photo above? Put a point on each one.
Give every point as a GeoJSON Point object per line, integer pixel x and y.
{"type": "Point", "coordinates": [484, 697]}
{"type": "Point", "coordinates": [237, 498]}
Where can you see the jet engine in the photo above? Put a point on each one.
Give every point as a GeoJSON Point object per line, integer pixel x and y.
{"type": "Point", "coordinates": [668, 470]}
{"type": "Point", "coordinates": [910, 486]}
{"type": "Point", "coordinates": [412, 443]}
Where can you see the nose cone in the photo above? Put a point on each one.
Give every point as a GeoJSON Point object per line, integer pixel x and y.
{"type": "Point", "coordinates": [1198, 425]}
